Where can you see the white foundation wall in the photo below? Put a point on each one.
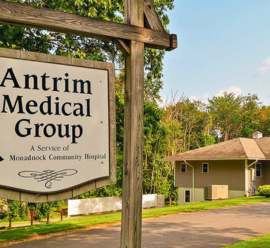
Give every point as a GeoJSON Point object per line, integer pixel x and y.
{"type": "Point", "coordinates": [98, 205]}
{"type": "Point", "coordinates": [199, 194]}
{"type": "Point", "coordinates": [94, 205]}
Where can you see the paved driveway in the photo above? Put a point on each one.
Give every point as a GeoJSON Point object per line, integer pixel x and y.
{"type": "Point", "coordinates": [212, 228]}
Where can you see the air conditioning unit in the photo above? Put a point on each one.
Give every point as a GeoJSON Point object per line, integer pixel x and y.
{"type": "Point", "coordinates": [215, 192]}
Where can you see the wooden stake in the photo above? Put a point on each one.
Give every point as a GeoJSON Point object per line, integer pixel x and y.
{"type": "Point", "coordinates": [32, 217]}
{"type": "Point", "coordinates": [61, 214]}
{"type": "Point", "coordinates": [133, 133]}
{"type": "Point", "coordinates": [48, 218]}
{"type": "Point", "coordinates": [10, 221]}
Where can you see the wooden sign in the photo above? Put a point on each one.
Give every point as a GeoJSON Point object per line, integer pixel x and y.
{"type": "Point", "coordinates": [57, 115]}
{"type": "Point", "coordinates": [142, 28]}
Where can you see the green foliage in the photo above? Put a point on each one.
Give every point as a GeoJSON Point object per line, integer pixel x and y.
{"type": "Point", "coordinates": [43, 209]}
{"type": "Point", "coordinates": [102, 192]}
{"type": "Point", "coordinates": [13, 208]}
{"type": "Point", "coordinates": [209, 139]}
{"type": "Point", "coordinates": [23, 211]}
{"type": "Point", "coordinates": [31, 208]}
{"type": "Point", "coordinates": [263, 117]}
{"type": "Point", "coordinates": [236, 116]}
{"type": "Point", "coordinates": [264, 190]}
{"type": "Point", "coordinates": [226, 113]}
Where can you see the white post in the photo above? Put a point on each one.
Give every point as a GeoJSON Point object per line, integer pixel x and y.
{"type": "Point", "coordinates": [246, 177]}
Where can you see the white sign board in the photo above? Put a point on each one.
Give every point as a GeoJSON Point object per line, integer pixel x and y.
{"type": "Point", "coordinates": [54, 125]}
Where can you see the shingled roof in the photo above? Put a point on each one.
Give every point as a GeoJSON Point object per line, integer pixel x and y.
{"type": "Point", "coordinates": [240, 148]}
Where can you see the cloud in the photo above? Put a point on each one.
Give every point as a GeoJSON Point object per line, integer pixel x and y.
{"type": "Point", "coordinates": [233, 89]}
{"type": "Point", "coordinates": [193, 98]}
{"type": "Point", "coordinates": [265, 66]}
{"type": "Point", "coordinates": [164, 101]}
{"type": "Point", "coordinates": [203, 99]}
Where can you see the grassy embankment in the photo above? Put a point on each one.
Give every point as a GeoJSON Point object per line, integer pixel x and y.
{"type": "Point", "coordinates": [28, 231]}
{"type": "Point", "coordinates": [260, 242]}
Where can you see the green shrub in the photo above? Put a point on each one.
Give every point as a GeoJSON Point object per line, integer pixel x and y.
{"type": "Point", "coordinates": [23, 212]}
{"type": "Point", "coordinates": [264, 190]}
{"type": "Point", "coordinates": [13, 208]}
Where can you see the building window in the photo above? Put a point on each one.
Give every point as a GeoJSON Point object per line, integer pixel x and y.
{"type": "Point", "coordinates": [205, 168]}
{"type": "Point", "coordinates": [258, 170]}
{"type": "Point", "coordinates": [187, 196]}
{"type": "Point", "coordinates": [183, 168]}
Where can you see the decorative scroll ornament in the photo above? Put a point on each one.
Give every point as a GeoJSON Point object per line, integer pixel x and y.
{"type": "Point", "coordinates": [48, 176]}
{"type": "Point", "coordinates": [1, 159]}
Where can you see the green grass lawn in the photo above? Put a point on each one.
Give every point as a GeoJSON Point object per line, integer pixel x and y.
{"type": "Point", "coordinates": [24, 232]}
{"type": "Point", "coordinates": [260, 242]}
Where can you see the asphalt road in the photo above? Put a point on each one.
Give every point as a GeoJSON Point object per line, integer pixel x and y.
{"type": "Point", "coordinates": [211, 228]}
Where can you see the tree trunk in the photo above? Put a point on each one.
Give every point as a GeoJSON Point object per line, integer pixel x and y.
{"type": "Point", "coordinates": [152, 177]}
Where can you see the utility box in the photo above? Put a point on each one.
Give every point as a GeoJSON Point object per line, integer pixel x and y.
{"type": "Point", "coordinates": [215, 192]}
{"type": "Point", "coordinates": [160, 201]}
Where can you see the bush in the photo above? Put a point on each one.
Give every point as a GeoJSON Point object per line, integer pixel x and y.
{"type": "Point", "coordinates": [264, 190]}
{"type": "Point", "coordinates": [13, 208]}
{"type": "Point", "coordinates": [23, 211]}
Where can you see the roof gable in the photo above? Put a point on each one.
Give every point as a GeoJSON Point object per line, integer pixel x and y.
{"type": "Point", "coordinates": [264, 144]}
{"type": "Point", "coordinates": [240, 148]}
{"type": "Point", "coordinates": [251, 148]}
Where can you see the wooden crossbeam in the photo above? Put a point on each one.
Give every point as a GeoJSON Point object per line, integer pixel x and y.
{"type": "Point", "coordinates": [45, 18]}
{"type": "Point", "coordinates": [173, 44]}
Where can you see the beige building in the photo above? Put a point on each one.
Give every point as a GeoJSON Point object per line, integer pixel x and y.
{"type": "Point", "coordinates": [230, 169]}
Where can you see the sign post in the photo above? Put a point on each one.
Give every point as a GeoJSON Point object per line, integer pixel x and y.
{"type": "Point", "coordinates": [133, 133]}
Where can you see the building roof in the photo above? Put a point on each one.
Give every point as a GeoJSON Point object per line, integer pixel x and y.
{"type": "Point", "coordinates": [240, 148]}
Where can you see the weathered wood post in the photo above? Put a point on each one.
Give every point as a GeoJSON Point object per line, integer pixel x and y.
{"type": "Point", "coordinates": [133, 134]}
{"type": "Point", "coordinates": [10, 221]}
{"type": "Point", "coordinates": [32, 217]}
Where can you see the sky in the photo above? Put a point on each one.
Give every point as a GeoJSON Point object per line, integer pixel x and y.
{"type": "Point", "coordinates": [222, 45]}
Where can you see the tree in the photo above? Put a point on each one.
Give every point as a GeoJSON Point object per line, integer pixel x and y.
{"type": "Point", "coordinates": [186, 126]}
{"type": "Point", "coordinates": [226, 114]}
{"type": "Point", "coordinates": [13, 208]}
{"type": "Point", "coordinates": [153, 133]}
{"type": "Point", "coordinates": [250, 115]}
{"type": "Point", "coordinates": [263, 116]}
